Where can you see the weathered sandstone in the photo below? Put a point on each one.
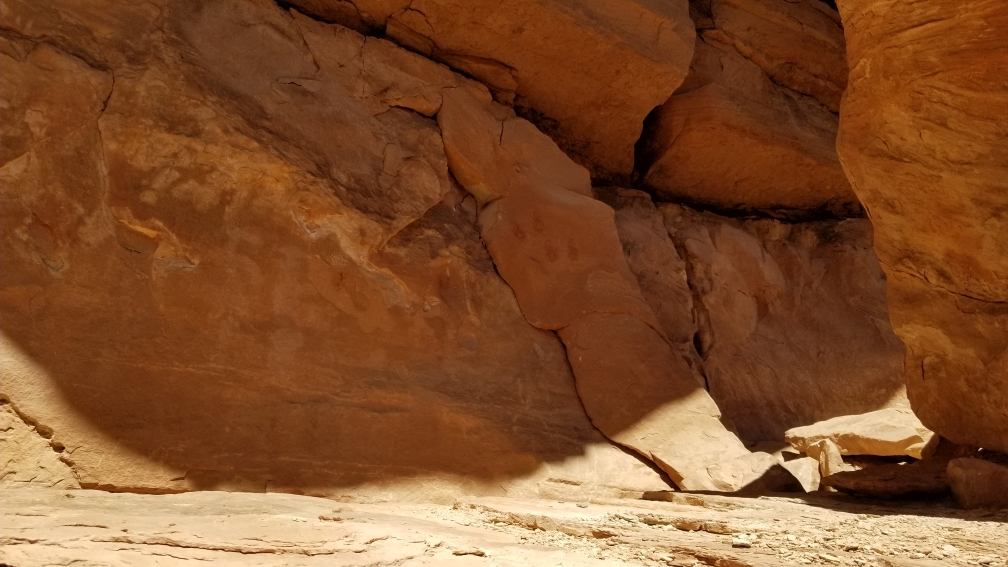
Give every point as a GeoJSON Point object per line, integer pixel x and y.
{"type": "Point", "coordinates": [735, 138]}
{"type": "Point", "coordinates": [922, 138]}
{"type": "Point", "coordinates": [234, 258]}
{"type": "Point", "coordinates": [799, 45]}
{"type": "Point", "coordinates": [976, 483]}
{"type": "Point", "coordinates": [591, 71]}
{"type": "Point", "coordinates": [885, 432]}
{"type": "Point", "coordinates": [780, 308]}
{"type": "Point", "coordinates": [27, 458]}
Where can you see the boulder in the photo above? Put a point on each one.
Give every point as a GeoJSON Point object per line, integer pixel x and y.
{"type": "Point", "coordinates": [243, 264]}
{"type": "Point", "coordinates": [734, 138]}
{"type": "Point", "coordinates": [590, 72]}
{"type": "Point", "coordinates": [755, 473]}
{"type": "Point", "coordinates": [806, 470]}
{"type": "Point", "coordinates": [922, 138]}
{"type": "Point", "coordinates": [829, 457]}
{"type": "Point", "coordinates": [885, 432]}
{"type": "Point", "coordinates": [978, 483]}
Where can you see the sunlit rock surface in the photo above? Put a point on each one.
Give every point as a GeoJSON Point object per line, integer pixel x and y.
{"type": "Point", "coordinates": [922, 138]}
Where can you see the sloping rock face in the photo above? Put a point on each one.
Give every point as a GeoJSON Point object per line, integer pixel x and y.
{"type": "Point", "coordinates": [922, 138]}
{"type": "Point", "coordinates": [589, 72]}
{"type": "Point", "coordinates": [234, 258]}
{"type": "Point", "coordinates": [753, 126]}
{"type": "Point", "coordinates": [560, 251]}
{"type": "Point", "coordinates": [770, 310]}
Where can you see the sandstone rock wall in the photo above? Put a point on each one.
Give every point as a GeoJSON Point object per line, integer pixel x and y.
{"type": "Point", "coordinates": [923, 139]}
{"type": "Point", "coordinates": [753, 126]}
{"type": "Point", "coordinates": [589, 72]}
{"type": "Point", "coordinates": [787, 323]}
{"type": "Point", "coordinates": [233, 259]}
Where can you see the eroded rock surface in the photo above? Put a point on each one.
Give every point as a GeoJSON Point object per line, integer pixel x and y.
{"type": "Point", "coordinates": [234, 258]}
{"type": "Point", "coordinates": [590, 71]}
{"type": "Point", "coordinates": [560, 251]}
{"type": "Point", "coordinates": [753, 126]}
{"type": "Point", "coordinates": [27, 458]}
{"type": "Point", "coordinates": [780, 307]}
{"type": "Point", "coordinates": [922, 137]}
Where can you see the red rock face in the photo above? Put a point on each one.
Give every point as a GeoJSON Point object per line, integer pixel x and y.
{"type": "Point", "coordinates": [922, 137]}
{"type": "Point", "coordinates": [232, 259]}
{"type": "Point", "coordinates": [753, 126]}
{"type": "Point", "coordinates": [244, 248]}
{"type": "Point", "coordinates": [590, 72]}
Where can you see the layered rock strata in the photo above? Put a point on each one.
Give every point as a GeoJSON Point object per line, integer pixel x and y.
{"type": "Point", "coordinates": [753, 126]}
{"type": "Point", "coordinates": [234, 258]}
{"type": "Point", "coordinates": [589, 72]}
{"type": "Point", "coordinates": [923, 140]}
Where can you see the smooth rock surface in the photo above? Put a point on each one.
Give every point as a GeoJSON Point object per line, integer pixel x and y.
{"type": "Point", "coordinates": [591, 72]}
{"type": "Point", "coordinates": [806, 470]}
{"type": "Point", "coordinates": [977, 483]}
{"type": "Point", "coordinates": [922, 138]}
{"type": "Point", "coordinates": [234, 258]}
{"type": "Point", "coordinates": [732, 137]}
{"type": "Point", "coordinates": [829, 456]}
{"type": "Point", "coordinates": [885, 432]}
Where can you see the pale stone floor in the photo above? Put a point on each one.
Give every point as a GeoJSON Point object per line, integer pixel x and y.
{"type": "Point", "coordinates": [85, 527]}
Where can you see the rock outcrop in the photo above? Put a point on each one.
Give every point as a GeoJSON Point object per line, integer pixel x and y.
{"type": "Point", "coordinates": [559, 250]}
{"type": "Point", "coordinates": [589, 72]}
{"type": "Point", "coordinates": [767, 312]}
{"type": "Point", "coordinates": [753, 126]}
{"type": "Point", "coordinates": [234, 258]}
{"type": "Point", "coordinates": [923, 140]}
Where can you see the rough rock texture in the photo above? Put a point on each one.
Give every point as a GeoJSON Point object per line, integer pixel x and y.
{"type": "Point", "coordinates": [780, 308]}
{"type": "Point", "coordinates": [591, 71]}
{"type": "Point", "coordinates": [85, 527]}
{"type": "Point", "coordinates": [27, 458]}
{"type": "Point", "coordinates": [977, 483]}
{"type": "Point", "coordinates": [234, 258]}
{"type": "Point", "coordinates": [886, 432]}
{"type": "Point", "coordinates": [923, 140]}
{"type": "Point", "coordinates": [740, 134]}
{"type": "Point", "coordinates": [799, 45]}
{"type": "Point", "coordinates": [559, 250]}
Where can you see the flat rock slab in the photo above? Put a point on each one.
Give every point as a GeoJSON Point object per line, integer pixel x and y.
{"type": "Point", "coordinates": [885, 432]}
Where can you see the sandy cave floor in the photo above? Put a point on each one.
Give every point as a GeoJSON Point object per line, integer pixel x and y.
{"type": "Point", "coordinates": [85, 527]}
